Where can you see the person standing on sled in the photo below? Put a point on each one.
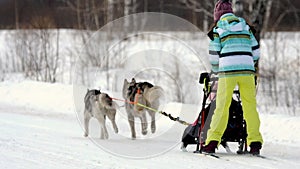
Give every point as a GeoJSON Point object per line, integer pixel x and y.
{"type": "Point", "coordinates": [233, 52]}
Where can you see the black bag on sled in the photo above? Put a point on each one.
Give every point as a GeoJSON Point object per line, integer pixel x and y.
{"type": "Point", "coordinates": [236, 128]}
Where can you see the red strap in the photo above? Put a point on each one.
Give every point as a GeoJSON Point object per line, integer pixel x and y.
{"type": "Point", "coordinates": [139, 91]}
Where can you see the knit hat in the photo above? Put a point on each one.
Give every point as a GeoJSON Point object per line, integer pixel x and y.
{"type": "Point", "coordinates": [222, 7]}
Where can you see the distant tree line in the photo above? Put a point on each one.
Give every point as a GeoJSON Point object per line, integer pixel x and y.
{"type": "Point", "coordinates": [282, 15]}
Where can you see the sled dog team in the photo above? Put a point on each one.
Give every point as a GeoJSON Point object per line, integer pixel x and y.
{"type": "Point", "coordinates": [99, 105]}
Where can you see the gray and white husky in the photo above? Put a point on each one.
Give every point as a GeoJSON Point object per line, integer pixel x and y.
{"type": "Point", "coordinates": [99, 105]}
{"type": "Point", "coordinates": [144, 93]}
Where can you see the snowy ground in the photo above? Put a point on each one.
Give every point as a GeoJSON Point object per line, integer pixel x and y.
{"type": "Point", "coordinates": [40, 129]}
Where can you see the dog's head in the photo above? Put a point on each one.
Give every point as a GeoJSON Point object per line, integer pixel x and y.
{"type": "Point", "coordinates": [91, 95]}
{"type": "Point", "coordinates": [129, 89]}
{"type": "Point", "coordinates": [90, 98]}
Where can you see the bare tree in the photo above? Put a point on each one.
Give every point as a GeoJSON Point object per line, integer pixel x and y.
{"type": "Point", "coordinates": [16, 14]}
{"type": "Point", "coordinates": [289, 10]}
{"type": "Point", "coordinates": [37, 50]}
{"type": "Point", "coordinates": [205, 7]}
{"type": "Point", "coordinates": [259, 15]}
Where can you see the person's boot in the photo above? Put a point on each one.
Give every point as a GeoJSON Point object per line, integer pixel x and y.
{"type": "Point", "coordinates": [210, 147]}
{"type": "Point", "coordinates": [255, 148]}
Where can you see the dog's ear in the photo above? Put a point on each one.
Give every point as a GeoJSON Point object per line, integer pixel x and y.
{"type": "Point", "coordinates": [133, 80]}
{"type": "Point", "coordinates": [97, 92]}
{"type": "Point", "coordinates": [125, 81]}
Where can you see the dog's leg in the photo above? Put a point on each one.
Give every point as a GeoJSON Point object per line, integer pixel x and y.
{"type": "Point", "coordinates": [104, 133]}
{"type": "Point", "coordinates": [115, 126]}
{"type": "Point", "coordinates": [144, 123]}
{"type": "Point", "coordinates": [131, 124]}
{"type": "Point", "coordinates": [101, 132]}
{"type": "Point", "coordinates": [112, 116]}
{"type": "Point", "coordinates": [153, 125]}
{"type": "Point", "coordinates": [87, 118]}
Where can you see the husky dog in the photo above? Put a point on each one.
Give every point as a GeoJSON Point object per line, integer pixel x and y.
{"type": "Point", "coordinates": [144, 93]}
{"type": "Point", "coordinates": [99, 105]}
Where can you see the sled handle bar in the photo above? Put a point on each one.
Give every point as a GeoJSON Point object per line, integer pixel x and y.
{"type": "Point", "coordinates": [205, 78]}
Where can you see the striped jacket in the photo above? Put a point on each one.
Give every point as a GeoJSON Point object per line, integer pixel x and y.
{"type": "Point", "coordinates": [233, 48]}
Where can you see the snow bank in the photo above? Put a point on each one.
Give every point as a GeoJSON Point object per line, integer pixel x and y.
{"type": "Point", "coordinates": [38, 96]}
{"type": "Point", "coordinates": [283, 129]}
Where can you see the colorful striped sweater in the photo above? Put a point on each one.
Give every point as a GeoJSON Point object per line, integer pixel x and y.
{"type": "Point", "coordinates": [233, 48]}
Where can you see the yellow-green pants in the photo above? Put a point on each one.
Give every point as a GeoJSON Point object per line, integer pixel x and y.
{"type": "Point", "coordinates": [219, 121]}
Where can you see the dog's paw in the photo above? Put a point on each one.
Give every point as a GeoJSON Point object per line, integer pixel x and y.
{"type": "Point", "coordinates": [116, 130]}
{"type": "Point", "coordinates": [144, 132]}
{"type": "Point", "coordinates": [153, 129]}
{"type": "Point", "coordinates": [133, 137]}
{"type": "Point", "coordinates": [85, 135]}
{"type": "Point", "coordinates": [104, 137]}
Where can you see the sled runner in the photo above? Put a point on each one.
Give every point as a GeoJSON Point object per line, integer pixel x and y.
{"type": "Point", "coordinates": [236, 128]}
